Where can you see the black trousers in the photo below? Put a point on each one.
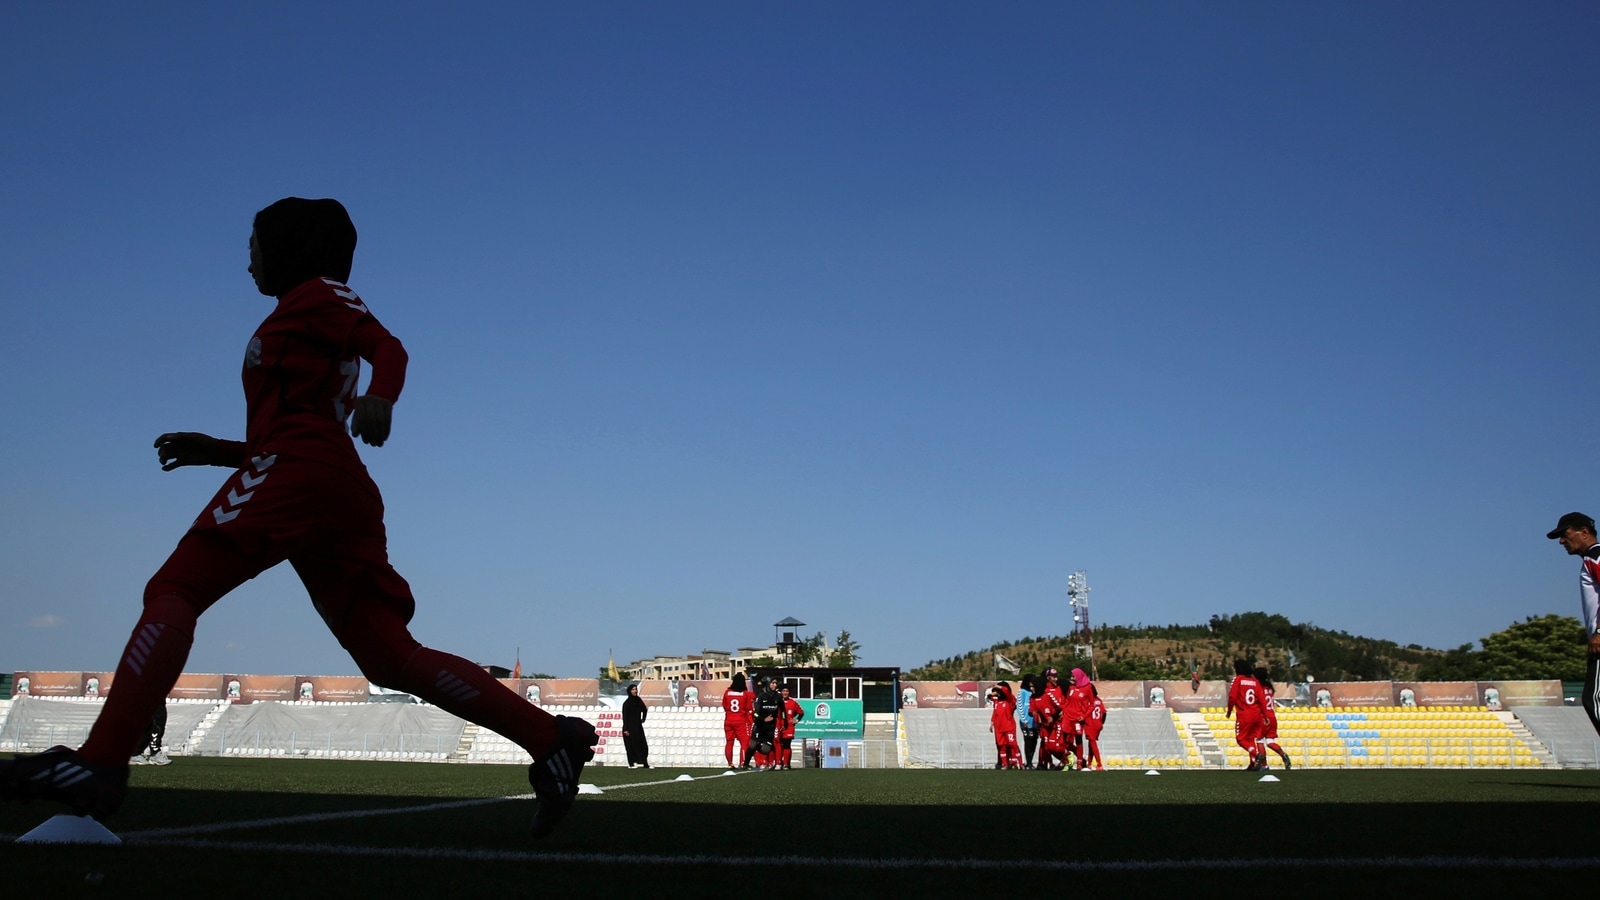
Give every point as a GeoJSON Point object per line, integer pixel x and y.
{"type": "Point", "coordinates": [1591, 685]}
{"type": "Point", "coordinates": [156, 734]}
{"type": "Point", "coordinates": [761, 734]}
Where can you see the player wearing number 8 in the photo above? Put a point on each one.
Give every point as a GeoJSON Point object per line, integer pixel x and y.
{"type": "Point", "coordinates": [1246, 697]}
{"type": "Point", "coordinates": [738, 716]}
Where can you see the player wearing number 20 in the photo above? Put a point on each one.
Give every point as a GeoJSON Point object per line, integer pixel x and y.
{"type": "Point", "coordinates": [1249, 700]}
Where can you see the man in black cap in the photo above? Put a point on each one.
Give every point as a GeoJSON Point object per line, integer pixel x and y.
{"type": "Point", "coordinates": [1575, 531]}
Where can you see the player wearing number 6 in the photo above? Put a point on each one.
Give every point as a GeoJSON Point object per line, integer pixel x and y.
{"type": "Point", "coordinates": [299, 492]}
{"type": "Point", "coordinates": [1246, 697]}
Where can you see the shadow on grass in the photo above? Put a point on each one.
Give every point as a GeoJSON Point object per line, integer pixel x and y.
{"type": "Point", "coordinates": [1553, 786]}
{"type": "Point", "coordinates": [300, 859]}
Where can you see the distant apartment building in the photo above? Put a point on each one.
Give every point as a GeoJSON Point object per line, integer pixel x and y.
{"type": "Point", "coordinates": [710, 665]}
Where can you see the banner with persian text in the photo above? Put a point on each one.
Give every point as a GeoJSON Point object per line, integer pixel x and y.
{"type": "Point", "coordinates": [556, 691]}
{"type": "Point", "coordinates": [832, 719]}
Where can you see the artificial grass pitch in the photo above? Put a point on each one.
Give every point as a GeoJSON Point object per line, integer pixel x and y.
{"type": "Point", "coordinates": [863, 832]}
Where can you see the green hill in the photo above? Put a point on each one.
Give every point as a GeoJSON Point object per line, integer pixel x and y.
{"type": "Point", "coordinates": [1546, 647]}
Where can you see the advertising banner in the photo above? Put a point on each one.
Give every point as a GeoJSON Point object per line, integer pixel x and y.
{"type": "Point", "coordinates": [940, 695]}
{"type": "Point", "coordinates": [557, 691]}
{"type": "Point", "coordinates": [984, 687]}
{"type": "Point", "coordinates": [658, 693]}
{"type": "Point", "coordinates": [332, 688]}
{"type": "Point", "coordinates": [194, 687]}
{"type": "Point", "coordinates": [1337, 694]}
{"type": "Point", "coordinates": [702, 693]}
{"type": "Point", "coordinates": [1437, 693]}
{"type": "Point", "coordinates": [253, 688]}
{"type": "Point", "coordinates": [1182, 696]}
{"type": "Point", "coordinates": [47, 684]}
{"type": "Point", "coordinates": [97, 684]}
{"type": "Point", "coordinates": [832, 719]}
{"type": "Point", "coordinates": [1120, 694]}
{"type": "Point", "coordinates": [1501, 694]}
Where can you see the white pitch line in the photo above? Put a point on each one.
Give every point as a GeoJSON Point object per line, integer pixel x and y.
{"type": "Point", "coordinates": [210, 828]}
{"type": "Point", "coordinates": [894, 863]}
{"type": "Point", "coordinates": [157, 833]}
{"type": "Point", "coordinates": [638, 784]}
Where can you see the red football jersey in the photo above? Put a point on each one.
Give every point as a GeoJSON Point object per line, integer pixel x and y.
{"type": "Point", "coordinates": [301, 370]}
{"type": "Point", "coordinates": [1054, 703]}
{"type": "Point", "coordinates": [1077, 708]}
{"type": "Point", "coordinates": [1004, 716]}
{"type": "Point", "coordinates": [1040, 710]}
{"type": "Point", "coordinates": [738, 707]}
{"type": "Point", "coordinates": [1097, 717]}
{"type": "Point", "coordinates": [1270, 712]}
{"type": "Point", "coordinates": [792, 713]}
{"type": "Point", "coordinates": [1247, 698]}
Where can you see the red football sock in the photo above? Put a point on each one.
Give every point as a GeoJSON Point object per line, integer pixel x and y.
{"type": "Point", "coordinates": [150, 666]}
{"type": "Point", "coordinates": [460, 688]}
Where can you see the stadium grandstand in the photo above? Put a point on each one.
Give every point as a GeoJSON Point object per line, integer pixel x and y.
{"type": "Point", "coordinates": [1375, 736]}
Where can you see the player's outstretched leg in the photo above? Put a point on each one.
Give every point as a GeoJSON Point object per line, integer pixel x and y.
{"type": "Point", "coordinates": [60, 774]}
{"type": "Point", "coordinates": [554, 776]}
{"type": "Point", "coordinates": [1276, 748]}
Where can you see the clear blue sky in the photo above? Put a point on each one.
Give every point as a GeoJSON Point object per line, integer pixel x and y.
{"type": "Point", "coordinates": [883, 316]}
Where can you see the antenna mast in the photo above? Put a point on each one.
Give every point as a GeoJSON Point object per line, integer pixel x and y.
{"type": "Point", "coordinates": [1082, 633]}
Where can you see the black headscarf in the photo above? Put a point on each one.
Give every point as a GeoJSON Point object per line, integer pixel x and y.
{"type": "Point", "coordinates": [304, 239]}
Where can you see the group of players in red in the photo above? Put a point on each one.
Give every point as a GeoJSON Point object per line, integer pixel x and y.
{"type": "Point", "coordinates": [1256, 728]}
{"type": "Point", "coordinates": [1062, 721]}
{"type": "Point", "coordinates": [761, 722]}
{"type": "Point", "coordinates": [1068, 722]}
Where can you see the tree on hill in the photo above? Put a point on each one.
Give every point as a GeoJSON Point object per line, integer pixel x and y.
{"type": "Point", "coordinates": [1136, 669]}
{"type": "Point", "coordinates": [1536, 648]}
{"type": "Point", "coordinates": [1547, 647]}
{"type": "Point", "coordinates": [1461, 664]}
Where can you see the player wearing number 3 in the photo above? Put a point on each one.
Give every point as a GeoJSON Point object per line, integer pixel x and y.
{"type": "Point", "coordinates": [1247, 698]}
{"type": "Point", "coordinates": [299, 493]}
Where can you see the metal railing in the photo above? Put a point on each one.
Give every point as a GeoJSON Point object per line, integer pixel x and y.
{"type": "Point", "coordinates": [1576, 754]}
{"type": "Point", "coordinates": [981, 754]}
{"type": "Point", "coordinates": [864, 754]}
{"type": "Point", "coordinates": [34, 738]}
{"type": "Point", "coordinates": [326, 744]}
{"type": "Point", "coordinates": [1471, 753]}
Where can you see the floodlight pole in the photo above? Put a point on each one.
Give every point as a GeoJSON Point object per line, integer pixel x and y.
{"type": "Point", "coordinates": [1078, 599]}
